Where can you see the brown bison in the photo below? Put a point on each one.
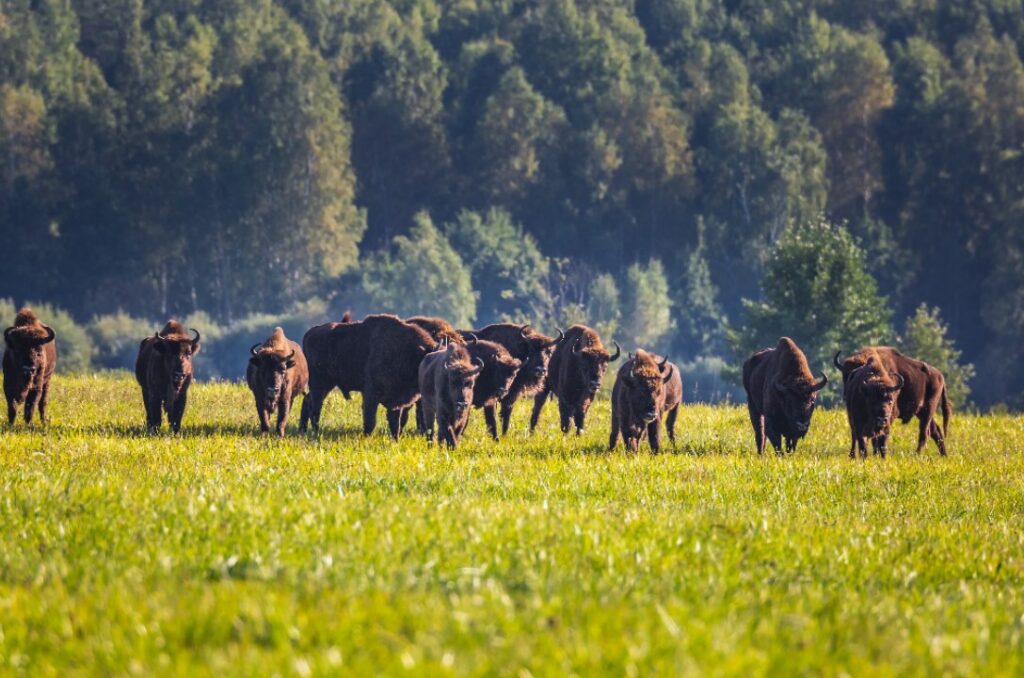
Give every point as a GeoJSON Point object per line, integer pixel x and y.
{"type": "Point", "coordinates": [781, 394]}
{"type": "Point", "coordinates": [532, 349]}
{"type": "Point", "coordinates": [30, 357]}
{"type": "Point", "coordinates": [438, 328]}
{"type": "Point", "coordinates": [574, 375]}
{"type": "Point", "coordinates": [644, 390]}
{"type": "Point", "coordinates": [379, 356]}
{"type": "Point", "coordinates": [277, 373]}
{"type": "Point", "coordinates": [164, 371]}
{"type": "Point", "coordinates": [447, 378]}
{"type": "Point", "coordinates": [870, 392]}
{"type": "Point", "coordinates": [495, 381]}
{"type": "Point", "coordinates": [923, 391]}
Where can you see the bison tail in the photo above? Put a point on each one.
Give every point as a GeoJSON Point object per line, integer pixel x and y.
{"type": "Point", "coordinates": [947, 412]}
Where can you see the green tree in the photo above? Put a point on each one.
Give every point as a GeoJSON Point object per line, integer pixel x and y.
{"type": "Point", "coordinates": [422, 275]}
{"type": "Point", "coordinates": [925, 338]}
{"type": "Point", "coordinates": [699, 316]}
{"type": "Point", "coordinates": [646, 306]}
{"type": "Point", "coordinates": [817, 291]}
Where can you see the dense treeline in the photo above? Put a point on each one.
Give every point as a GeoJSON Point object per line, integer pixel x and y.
{"type": "Point", "coordinates": [634, 163]}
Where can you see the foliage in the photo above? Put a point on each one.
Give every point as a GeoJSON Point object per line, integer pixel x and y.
{"type": "Point", "coordinates": [925, 338]}
{"type": "Point", "coordinates": [816, 291]}
{"type": "Point", "coordinates": [349, 554]}
{"type": "Point", "coordinates": [115, 339]}
{"type": "Point", "coordinates": [647, 306]}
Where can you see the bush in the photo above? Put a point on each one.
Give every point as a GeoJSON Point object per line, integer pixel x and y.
{"type": "Point", "coordinates": [706, 380]}
{"type": "Point", "coordinates": [115, 339]}
{"type": "Point", "coordinates": [924, 338]}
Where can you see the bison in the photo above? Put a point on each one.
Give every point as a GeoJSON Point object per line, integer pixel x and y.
{"type": "Point", "coordinates": [164, 371]}
{"type": "Point", "coordinates": [438, 328]}
{"type": "Point", "coordinates": [781, 394]}
{"type": "Point", "coordinates": [532, 349]}
{"type": "Point", "coordinates": [379, 356]}
{"type": "Point", "coordinates": [495, 381]}
{"type": "Point", "coordinates": [870, 393]}
{"type": "Point", "coordinates": [447, 378]}
{"type": "Point", "coordinates": [574, 375]}
{"type": "Point", "coordinates": [277, 373]}
{"type": "Point", "coordinates": [30, 357]}
{"type": "Point", "coordinates": [923, 391]}
{"type": "Point", "coordinates": [644, 390]}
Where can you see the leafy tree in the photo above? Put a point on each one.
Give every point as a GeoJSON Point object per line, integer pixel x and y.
{"type": "Point", "coordinates": [423, 275]}
{"type": "Point", "coordinates": [647, 306]}
{"type": "Point", "coordinates": [699, 317]}
{"type": "Point", "coordinates": [924, 337]}
{"type": "Point", "coordinates": [816, 291]}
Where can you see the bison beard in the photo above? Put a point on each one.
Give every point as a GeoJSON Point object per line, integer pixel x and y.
{"type": "Point", "coordinates": [574, 375]}
{"type": "Point", "coordinates": [447, 378]}
{"type": "Point", "coordinates": [378, 356]}
{"type": "Point", "coordinates": [164, 371]}
{"type": "Point", "coordinates": [30, 358]}
{"type": "Point", "coordinates": [277, 373]}
{"type": "Point", "coordinates": [644, 390]}
{"type": "Point", "coordinates": [533, 350]}
{"type": "Point", "coordinates": [870, 394]}
{"type": "Point", "coordinates": [922, 394]}
{"type": "Point", "coordinates": [781, 394]}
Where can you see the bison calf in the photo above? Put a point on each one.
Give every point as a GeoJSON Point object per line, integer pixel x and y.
{"type": "Point", "coordinates": [164, 371]}
{"type": "Point", "coordinates": [870, 395]}
{"type": "Point", "coordinates": [644, 390]}
{"type": "Point", "coordinates": [781, 395]}
{"type": "Point", "coordinates": [277, 374]}
{"type": "Point", "coordinates": [447, 378]}
{"type": "Point", "coordinates": [30, 357]}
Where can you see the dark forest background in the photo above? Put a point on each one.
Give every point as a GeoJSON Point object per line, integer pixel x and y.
{"type": "Point", "coordinates": [695, 176]}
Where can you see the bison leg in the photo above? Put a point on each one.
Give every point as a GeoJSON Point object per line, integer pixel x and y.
{"type": "Point", "coordinates": [30, 405]}
{"type": "Point", "coordinates": [421, 426]}
{"type": "Point", "coordinates": [564, 415]}
{"type": "Point", "coordinates": [12, 411]}
{"type": "Point", "coordinates": [757, 421]}
{"type": "Point", "coordinates": [654, 434]}
{"type": "Point", "coordinates": [791, 445]}
{"type": "Point", "coordinates": [44, 400]}
{"type": "Point", "coordinates": [312, 406]}
{"type": "Point", "coordinates": [670, 423]}
{"type": "Point", "coordinates": [283, 409]}
{"type": "Point", "coordinates": [578, 416]}
{"type": "Point", "coordinates": [154, 413]}
{"type": "Point", "coordinates": [175, 416]}
{"type": "Point", "coordinates": [940, 440]}
{"type": "Point", "coordinates": [369, 414]}
{"type": "Point", "coordinates": [538, 404]}
{"type": "Point", "coordinates": [404, 419]}
{"type": "Point", "coordinates": [773, 436]}
{"type": "Point", "coordinates": [492, 423]}
{"type": "Point", "coordinates": [262, 415]}
{"type": "Point", "coordinates": [429, 416]}
{"type": "Point", "coordinates": [613, 439]}
{"type": "Point", "coordinates": [506, 414]}
{"type": "Point", "coordinates": [394, 422]}
{"type": "Point", "coordinates": [880, 445]}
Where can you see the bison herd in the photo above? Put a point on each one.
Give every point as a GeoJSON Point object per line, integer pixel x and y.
{"type": "Point", "coordinates": [426, 364]}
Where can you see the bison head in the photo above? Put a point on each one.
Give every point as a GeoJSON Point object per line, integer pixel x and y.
{"type": "Point", "coordinates": [591, 363]}
{"type": "Point", "coordinates": [177, 353]}
{"type": "Point", "coordinates": [796, 400]}
{"type": "Point", "coordinates": [645, 385]}
{"type": "Point", "coordinates": [461, 378]}
{"type": "Point", "coordinates": [878, 393]}
{"type": "Point", "coordinates": [26, 347]}
{"type": "Point", "coordinates": [271, 370]}
{"type": "Point", "coordinates": [538, 351]}
{"type": "Point", "coordinates": [505, 371]}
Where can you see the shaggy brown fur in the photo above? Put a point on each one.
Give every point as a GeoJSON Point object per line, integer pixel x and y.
{"type": "Point", "coordinates": [447, 378]}
{"type": "Point", "coordinates": [277, 373]}
{"type": "Point", "coordinates": [574, 376]}
{"type": "Point", "coordinates": [30, 357]}
{"type": "Point", "coordinates": [438, 328]}
{"type": "Point", "coordinates": [923, 392]}
{"type": "Point", "coordinates": [781, 395]}
{"type": "Point", "coordinates": [870, 394]}
{"type": "Point", "coordinates": [532, 349]}
{"type": "Point", "coordinates": [164, 371]}
{"type": "Point", "coordinates": [645, 389]}
{"type": "Point", "coordinates": [378, 356]}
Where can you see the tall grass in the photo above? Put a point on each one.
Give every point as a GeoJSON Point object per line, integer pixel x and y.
{"type": "Point", "coordinates": [221, 552]}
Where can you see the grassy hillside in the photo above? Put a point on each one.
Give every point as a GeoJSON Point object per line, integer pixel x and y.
{"type": "Point", "coordinates": [219, 552]}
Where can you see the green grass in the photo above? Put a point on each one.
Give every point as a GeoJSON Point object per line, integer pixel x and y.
{"type": "Point", "coordinates": [219, 552]}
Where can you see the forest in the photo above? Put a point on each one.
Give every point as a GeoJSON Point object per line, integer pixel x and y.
{"type": "Point", "coordinates": [696, 177]}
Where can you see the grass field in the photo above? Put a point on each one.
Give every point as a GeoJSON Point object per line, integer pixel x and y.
{"type": "Point", "coordinates": [218, 552]}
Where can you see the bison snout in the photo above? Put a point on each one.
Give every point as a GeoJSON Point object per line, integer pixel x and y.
{"type": "Point", "coordinates": [461, 405]}
{"type": "Point", "coordinates": [502, 392]}
{"type": "Point", "coordinates": [801, 426]}
{"type": "Point", "coordinates": [650, 416]}
{"type": "Point", "coordinates": [29, 370]}
{"type": "Point", "coordinates": [271, 393]}
{"type": "Point", "coordinates": [595, 384]}
{"type": "Point", "coordinates": [178, 378]}
{"type": "Point", "coordinates": [539, 371]}
{"type": "Point", "coordinates": [881, 422]}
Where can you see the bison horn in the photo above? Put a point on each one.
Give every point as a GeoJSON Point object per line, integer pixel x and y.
{"type": "Point", "coordinates": [50, 335]}
{"type": "Point", "coordinates": [661, 365]}
{"type": "Point", "coordinates": [558, 339]}
{"type": "Point", "coordinates": [821, 384]}
{"type": "Point", "coordinates": [632, 368]}
{"type": "Point", "coordinates": [253, 349]}
{"type": "Point", "coordinates": [522, 331]}
{"type": "Point", "coordinates": [618, 352]}
{"type": "Point", "coordinates": [290, 356]}
{"type": "Point", "coordinates": [479, 366]}
{"type": "Point", "coordinates": [195, 342]}
{"type": "Point", "coordinates": [471, 338]}
{"type": "Point", "coordinates": [835, 361]}
{"type": "Point", "coordinates": [899, 384]}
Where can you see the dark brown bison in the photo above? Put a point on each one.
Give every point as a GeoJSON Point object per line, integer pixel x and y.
{"type": "Point", "coordinates": [438, 328]}
{"type": "Point", "coordinates": [277, 373]}
{"type": "Point", "coordinates": [164, 371]}
{"type": "Point", "coordinates": [532, 349]}
{"type": "Point", "coordinates": [30, 357]}
{"type": "Point", "coordinates": [574, 375]}
{"type": "Point", "coordinates": [495, 381]}
{"type": "Point", "coordinates": [923, 391]}
{"type": "Point", "coordinates": [378, 356]}
{"type": "Point", "coordinates": [781, 394]}
{"type": "Point", "coordinates": [644, 390]}
{"type": "Point", "coordinates": [870, 393]}
{"type": "Point", "coordinates": [447, 378]}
